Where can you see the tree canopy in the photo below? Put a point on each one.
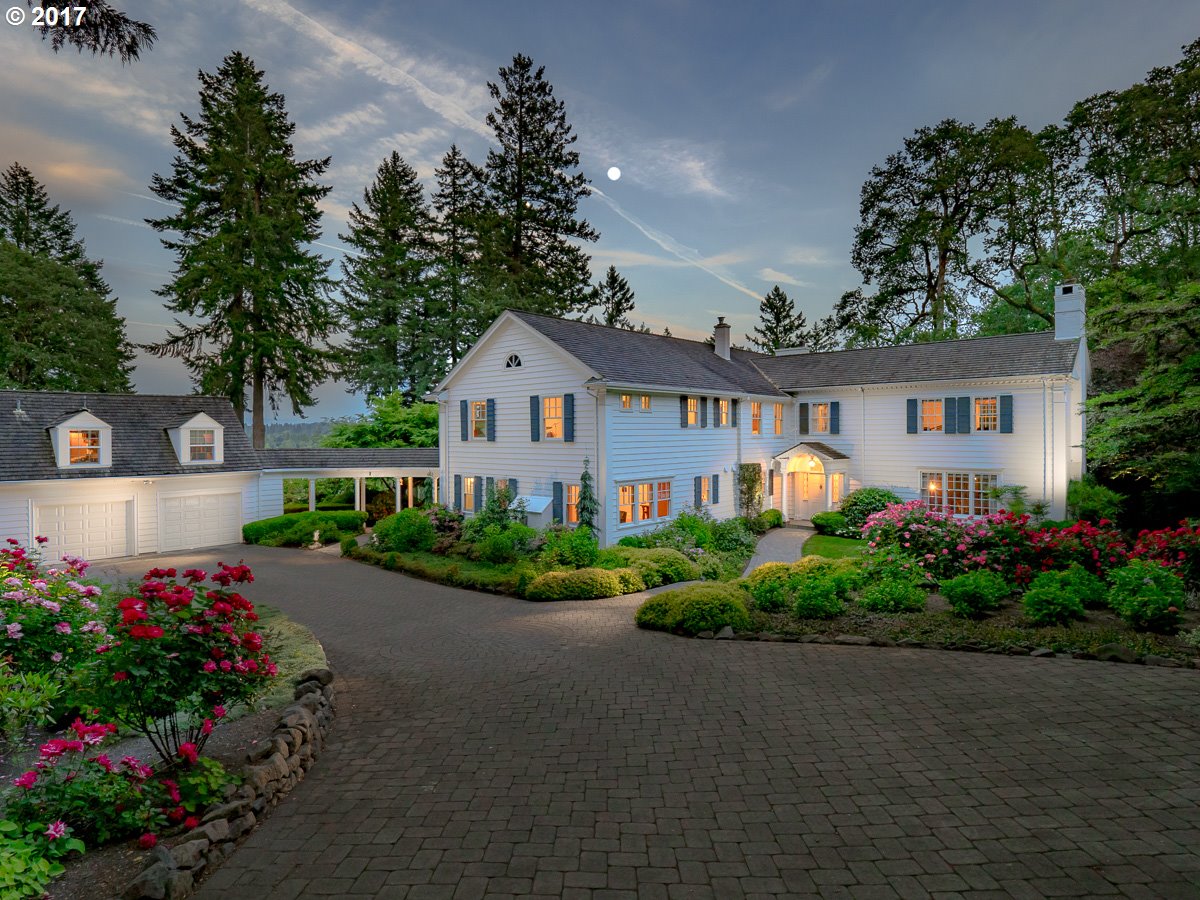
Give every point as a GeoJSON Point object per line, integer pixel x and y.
{"type": "Point", "coordinates": [389, 422]}
{"type": "Point", "coordinates": [779, 324]}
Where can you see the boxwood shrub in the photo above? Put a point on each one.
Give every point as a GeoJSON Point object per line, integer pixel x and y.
{"type": "Point", "coordinates": [296, 529]}
{"type": "Point", "coordinates": [407, 530]}
{"type": "Point", "coordinates": [833, 524]}
{"type": "Point", "coordinates": [975, 593]}
{"type": "Point", "coordinates": [579, 584]}
{"type": "Point", "coordinates": [695, 608]}
{"type": "Point", "coordinates": [659, 565]}
{"type": "Point", "coordinates": [768, 586]}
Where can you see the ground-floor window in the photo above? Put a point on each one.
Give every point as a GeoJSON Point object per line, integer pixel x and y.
{"type": "Point", "coordinates": [572, 504]}
{"type": "Point", "coordinates": [468, 495]}
{"type": "Point", "coordinates": [704, 495]}
{"type": "Point", "coordinates": [645, 501]}
{"type": "Point", "coordinates": [959, 493]}
{"type": "Point", "coordinates": [837, 487]}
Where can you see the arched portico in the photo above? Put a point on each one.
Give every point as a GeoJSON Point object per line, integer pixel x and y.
{"type": "Point", "coordinates": [814, 477]}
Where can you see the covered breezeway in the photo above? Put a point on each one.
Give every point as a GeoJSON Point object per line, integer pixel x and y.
{"type": "Point", "coordinates": [412, 471]}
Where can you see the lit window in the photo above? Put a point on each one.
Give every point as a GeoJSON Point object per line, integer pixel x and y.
{"type": "Point", "coordinates": [755, 418]}
{"type": "Point", "coordinates": [959, 493]}
{"type": "Point", "coordinates": [552, 418]}
{"type": "Point", "coordinates": [931, 415]}
{"type": "Point", "coordinates": [837, 487]}
{"type": "Point", "coordinates": [723, 406]}
{"type": "Point", "coordinates": [468, 498]}
{"type": "Point", "coordinates": [626, 401]}
{"type": "Point", "coordinates": [985, 503]}
{"type": "Point", "coordinates": [931, 489]}
{"type": "Point", "coordinates": [513, 362]}
{"type": "Point", "coordinates": [987, 416]}
{"type": "Point", "coordinates": [693, 411]}
{"type": "Point", "coordinates": [572, 503]}
{"type": "Point", "coordinates": [820, 418]}
{"type": "Point", "coordinates": [479, 419]}
{"type": "Point", "coordinates": [202, 445]}
{"type": "Point", "coordinates": [779, 418]}
{"type": "Point", "coordinates": [84, 447]}
{"type": "Point", "coordinates": [625, 504]}
{"type": "Point", "coordinates": [645, 502]}
{"type": "Point", "coordinates": [703, 491]}
{"type": "Point", "coordinates": [645, 403]}
{"type": "Point", "coordinates": [664, 499]}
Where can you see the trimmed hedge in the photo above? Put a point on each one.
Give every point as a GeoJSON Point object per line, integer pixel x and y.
{"type": "Point", "coordinates": [296, 529]}
{"type": "Point", "coordinates": [580, 584]}
{"type": "Point", "coordinates": [833, 524]}
{"type": "Point", "coordinates": [659, 565]}
{"type": "Point", "coordinates": [409, 529]}
{"type": "Point", "coordinates": [695, 608]}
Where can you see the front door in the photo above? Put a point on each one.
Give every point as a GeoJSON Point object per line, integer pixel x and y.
{"type": "Point", "coordinates": [808, 489]}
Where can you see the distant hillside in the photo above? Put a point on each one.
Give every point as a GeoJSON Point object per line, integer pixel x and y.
{"type": "Point", "coordinates": [295, 435]}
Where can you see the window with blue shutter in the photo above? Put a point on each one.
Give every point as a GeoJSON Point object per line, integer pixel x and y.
{"type": "Point", "coordinates": [912, 416]}
{"type": "Point", "coordinates": [835, 417]}
{"type": "Point", "coordinates": [458, 493]}
{"type": "Point", "coordinates": [1006, 413]}
{"type": "Point", "coordinates": [950, 416]}
{"type": "Point", "coordinates": [512, 487]}
{"type": "Point", "coordinates": [535, 418]}
{"type": "Point", "coordinates": [703, 412]}
{"type": "Point", "coordinates": [716, 489]}
{"type": "Point", "coordinates": [478, 493]}
{"type": "Point", "coordinates": [696, 490]}
{"type": "Point", "coordinates": [464, 423]}
{"type": "Point", "coordinates": [569, 418]}
{"type": "Point", "coordinates": [803, 418]}
{"type": "Point", "coordinates": [491, 419]}
{"type": "Point", "coordinates": [964, 415]}
{"type": "Point", "coordinates": [557, 509]}
{"type": "Point", "coordinates": [683, 410]}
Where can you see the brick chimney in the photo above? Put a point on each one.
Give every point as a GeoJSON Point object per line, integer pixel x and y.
{"type": "Point", "coordinates": [721, 338]}
{"type": "Point", "coordinates": [1070, 307]}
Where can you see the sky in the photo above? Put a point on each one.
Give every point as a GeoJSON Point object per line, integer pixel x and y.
{"type": "Point", "coordinates": [743, 134]}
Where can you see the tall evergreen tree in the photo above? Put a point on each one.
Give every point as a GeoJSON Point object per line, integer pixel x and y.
{"type": "Point", "coordinates": [459, 203]}
{"type": "Point", "coordinates": [614, 296]}
{"type": "Point", "coordinates": [391, 346]}
{"type": "Point", "coordinates": [533, 191]}
{"type": "Point", "coordinates": [247, 208]}
{"type": "Point", "coordinates": [779, 325]}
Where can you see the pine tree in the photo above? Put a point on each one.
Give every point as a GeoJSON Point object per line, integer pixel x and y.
{"type": "Point", "coordinates": [533, 191]}
{"type": "Point", "coordinates": [386, 281]}
{"type": "Point", "coordinates": [614, 296]}
{"type": "Point", "coordinates": [587, 507]}
{"type": "Point", "coordinates": [779, 325]}
{"type": "Point", "coordinates": [246, 209]}
{"type": "Point", "coordinates": [459, 203]}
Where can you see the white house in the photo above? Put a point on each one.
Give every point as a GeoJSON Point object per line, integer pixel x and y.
{"type": "Point", "coordinates": [665, 423]}
{"type": "Point", "coordinates": [107, 475]}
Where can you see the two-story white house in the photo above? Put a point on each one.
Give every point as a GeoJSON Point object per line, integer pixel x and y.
{"type": "Point", "coordinates": [665, 422]}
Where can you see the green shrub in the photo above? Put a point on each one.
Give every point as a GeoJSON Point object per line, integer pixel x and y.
{"type": "Point", "coordinates": [1081, 584]}
{"type": "Point", "coordinates": [975, 593]}
{"type": "Point", "coordinates": [769, 586]}
{"type": "Point", "coordinates": [1147, 595]}
{"type": "Point", "coordinates": [695, 608]}
{"type": "Point", "coordinates": [349, 544]}
{"type": "Point", "coordinates": [833, 524]}
{"type": "Point", "coordinates": [406, 531]}
{"type": "Point", "coordinates": [894, 565]}
{"type": "Point", "coordinates": [658, 612]}
{"type": "Point", "coordinates": [757, 524]}
{"type": "Point", "coordinates": [571, 547]}
{"type": "Point", "coordinates": [845, 573]}
{"type": "Point", "coordinates": [580, 584]}
{"type": "Point", "coordinates": [609, 558]}
{"type": "Point", "coordinates": [631, 581]}
{"type": "Point", "coordinates": [665, 565]}
{"type": "Point", "coordinates": [816, 597]}
{"type": "Point", "coordinates": [633, 540]}
{"type": "Point", "coordinates": [500, 544]}
{"type": "Point", "coordinates": [1049, 601]}
{"type": "Point", "coordinates": [857, 505]}
{"type": "Point", "coordinates": [772, 517]}
{"type": "Point", "coordinates": [732, 536]}
{"type": "Point", "coordinates": [1092, 502]}
{"type": "Point", "coordinates": [697, 525]}
{"type": "Point", "coordinates": [297, 528]}
{"type": "Point", "coordinates": [892, 595]}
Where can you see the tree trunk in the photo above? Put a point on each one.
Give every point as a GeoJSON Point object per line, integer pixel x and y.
{"type": "Point", "coordinates": [259, 427]}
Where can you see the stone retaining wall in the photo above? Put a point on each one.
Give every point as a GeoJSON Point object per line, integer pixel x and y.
{"type": "Point", "coordinates": [272, 769]}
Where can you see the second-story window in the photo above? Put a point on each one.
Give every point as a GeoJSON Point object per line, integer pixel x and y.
{"type": "Point", "coordinates": [723, 413]}
{"type": "Point", "coordinates": [84, 447]}
{"type": "Point", "coordinates": [626, 402]}
{"type": "Point", "coordinates": [755, 417]}
{"type": "Point", "coordinates": [987, 416]}
{"type": "Point", "coordinates": [820, 418]}
{"type": "Point", "coordinates": [552, 418]}
{"type": "Point", "coordinates": [645, 403]}
{"type": "Point", "coordinates": [479, 419]}
{"type": "Point", "coordinates": [931, 415]}
{"type": "Point", "coordinates": [693, 411]}
{"type": "Point", "coordinates": [779, 418]}
{"type": "Point", "coordinates": [202, 445]}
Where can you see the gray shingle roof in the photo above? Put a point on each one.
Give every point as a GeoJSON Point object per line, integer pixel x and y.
{"type": "Point", "coordinates": [987, 357]}
{"type": "Point", "coordinates": [632, 357]}
{"type": "Point", "coordinates": [140, 444]}
{"type": "Point", "coordinates": [817, 447]}
{"type": "Point", "coordinates": [358, 458]}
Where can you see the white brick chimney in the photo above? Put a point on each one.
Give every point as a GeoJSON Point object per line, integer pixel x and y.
{"type": "Point", "coordinates": [721, 338]}
{"type": "Point", "coordinates": [1070, 307]}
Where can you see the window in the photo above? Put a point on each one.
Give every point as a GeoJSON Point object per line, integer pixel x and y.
{"type": "Point", "coordinates": [202, 445]}
{"type": "Point", "coordinates": [755, 418]}
{"type": "Point", "coordinates": [626, 402]}
{"type": "Point", "coordinates": [625, 504]}
{"type": "Point", "coordinates": [573, 504]}
{"type": "Point", "coordinates": [552, 418]}
{"type": "Point", "coordinates": [479, 419]}
{"type": "Point", "coordinates": [664, 499]}
{"type": "Point", "coordinates": [468, 498]}
{"type": "Point", "coordinates": [704, 483]}
{"type": "Point", "coordinates": [779, 418]}
{"type": "Point", "coordinates": [642, 502]}
{"type": "Point", "coordinates": [837, 487]}
{"type": "Point", "coordinates": [931, 415]}
{"type": "Point", "coordinates": [959, 493]}
{"type": "Point", "coordinates": [693, 411]}
{"type": "Point", "coordinates": [723, 413]}
{"type": "Point", "coordinates": [84, 447]}
{"type": "Point", "coordinates": [987, 414]}
{"type": "Point", "coordinates": [645, 502]}
{"type": "Point", "coordinates": [513, 362]}
{"type": "Point", "coordinates": [645, 403]}
{"type": "Point", "coordinates": [820, 418]}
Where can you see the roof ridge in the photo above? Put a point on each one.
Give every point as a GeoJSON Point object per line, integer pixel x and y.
{"type": "Point", "coordinates": [654, 334]}
{"type": "Point", "coordinates": [962, 340]}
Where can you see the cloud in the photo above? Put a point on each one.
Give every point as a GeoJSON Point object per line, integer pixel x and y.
{"type": "Point", "coordinates": [629, 259]}
{"type": "Point", "coordinates": [809, 256]}
{"type": "Point", "coordinates": [774, 276]}
{"type": "Point", "coordinates": [360, 119]}
{"type": "Point", "coordinates": [671, 166]}
{"type": "Point", "coordinates": [121, 221]}
{"type": "Point", "coordinates": [788, 95]}
{"type": "Point", "coordinates": [72, 172]}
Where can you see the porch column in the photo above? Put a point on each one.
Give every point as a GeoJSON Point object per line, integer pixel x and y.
{"type": "Point", "coordinates": [312, 494]}
{"type": "Point", "coordinates": [412, 500]}
{"type": "Point", "coordinates": [783, 494]}
{"type": "Point", "coordinates": [357, 494]}
{"type": "Point", "coordinates": [397, 480]}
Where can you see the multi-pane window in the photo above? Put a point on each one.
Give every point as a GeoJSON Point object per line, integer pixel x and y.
{"type": "Point", "coordinates": [779, 418]}
{"type": "Point", "coordinates": [755, 417]}
{"type": "Point", "coordinates": [572, 503]}
{"type": "Point", "coordinates": [643, 502]}
{"type": "Point", "coordinates": [820, 418]}
{"type": "Point", "coordinates": [959, 493]}
{"type": "Point", "coordinates": [625, 504]}
{"type": "Point", "coordinates": [552, 418]}
{"type": "Point", "coordinates": [704, 491]}
{"type": "Point", "coordinates": [468, 497]}
{"type": "Point", "coordinates": [202, 445]}
{"type": "Point", "coordinates": [987, 415]}
{"type": "Point", "coordinates": [931, 415]}
{"type": "Point", "coordinates": [626, 402]}
{"type": "Point", "coordinates": [693, 411]}
{"type": "Point", "coordinates": [837, 487]}
{"type": "Point", "coordinates": [723, 413]}
{"type": "Point", "coordinates": [664, 499]}
{"type": "Point", "coordinates": [645, 403]}
{"type": "Point", "coordinates": [84, 447]}
{"type": "Point", "coordinates": [479, 419]}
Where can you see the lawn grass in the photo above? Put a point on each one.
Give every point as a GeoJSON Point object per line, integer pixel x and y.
{"type": "Point", "coordinates": [833, 547]}
{"type": "Point", "coordinates": [456, 571]}
{"type": "Point", "coordinates": [293, 648]}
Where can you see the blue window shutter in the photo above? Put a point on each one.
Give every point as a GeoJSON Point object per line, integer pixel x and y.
{"type": "Point", "coordinates": [733, 405]}
{"type": "Point", "coordinates": [950, 415]}
{"type": "Point", "coordinates": [569, 418]}
{"type": "Point", "coordinates": [683, 410]}
{"type": "Point", "coordinates": [703, 412]}
{"type": "Point", "coordinates": [491, 419]}
{"type": "Point", "coordinates": [535, 418]}
{"type": "Point", "coordinates": [1006, 413]}
{"type": "Point", "coordinates": [716, 489]}
{"type": "Point", "coordinates": [458, 492]}
{"type": "Point", "coordinates": [696, 489]}
{"type": "Point", "coordinates": [803, 427]}
{"type": "Point", "coordinates": [835, 417]}
{"type": "Point", "coordinates": [912, 416]}
{"type": "Point", "coordinates": [512, 487]}
{"type": "Point", "coordinates": [557, 509]}
{"type": "Point", "coordinates": [964, 415]}
{"type": "Point", "coordinates": [464, 423]}
{"type": "Point", "coordinates": [478, 493]}
{"type": "Point", "coordinates": [716, 405]}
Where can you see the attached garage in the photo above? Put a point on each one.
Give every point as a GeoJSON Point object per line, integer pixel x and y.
{"type": "Point", "coordinates": [189, 521]}
{"type": "Point", "coordinates": [94, 530]}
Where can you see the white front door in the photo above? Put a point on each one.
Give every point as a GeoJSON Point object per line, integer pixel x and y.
{"type": "Point", "coordinates": [807, 490]}
{"type": "Point", "coordinates": [98, 530]}
{"type": "Point", "coordinates": [188, 521]}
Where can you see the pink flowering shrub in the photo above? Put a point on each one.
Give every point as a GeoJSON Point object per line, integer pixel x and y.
{"type": "Point", "coordinates": [50, 622]}
{"type": "Point", "coordinates": [181, 652]}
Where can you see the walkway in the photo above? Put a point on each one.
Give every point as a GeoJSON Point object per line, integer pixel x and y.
{"type": "Point", "coordinates": [489, 747]}
{"type": "Point", "coordinates": [780, 545]}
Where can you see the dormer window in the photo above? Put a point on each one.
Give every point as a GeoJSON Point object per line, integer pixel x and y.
{"type": "Point", "coordinates": [202, 445]}
{"type": "Point", "coordinates": [82, 440]}
{"type": "Point", "coordinates": [83, 447]}
{"type": "Point", "coordinates": [199, 441]}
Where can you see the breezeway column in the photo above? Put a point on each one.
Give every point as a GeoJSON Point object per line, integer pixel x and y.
{"type": "Point", "coordinates": [412, 500]}
{"type": "Point", "coordinates": [312, 494]}
{"type": "Point", "coordinates": [397, 480]}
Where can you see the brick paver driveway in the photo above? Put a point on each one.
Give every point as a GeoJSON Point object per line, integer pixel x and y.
{"type": "Point", "coordinates": [486, 747]}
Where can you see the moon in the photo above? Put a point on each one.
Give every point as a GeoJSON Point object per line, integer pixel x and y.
{"type": "Point", "coordinates": [614, 173]}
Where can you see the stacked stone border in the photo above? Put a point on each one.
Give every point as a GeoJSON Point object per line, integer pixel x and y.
{"type": "Point", "coordinates": [272, 769]}
{"type": "Point", "coordinates": [1107, 653]}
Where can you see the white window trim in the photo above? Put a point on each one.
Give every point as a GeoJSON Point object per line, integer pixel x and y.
{"type": "Point", "coordinates": [562, 417]}
{"type": "Point", "coordinates": [60, 439]}
{"type": "Point", "coordinates": [645, 404]}
{"type": "Point", "coordinates": [191, 446]}
{"type": "Point", "coordinates": [814, 419]}
{"type": "Point", "coordinates": [471, 420]}
{"type": "Point", "coordinates": [943, 471]}
{"type": "Point", "coordinates": [653, 482]}
{"type": "Point", "coordinates": [921, 429]}
{"type": "Point", "coordinates": [975, 429]}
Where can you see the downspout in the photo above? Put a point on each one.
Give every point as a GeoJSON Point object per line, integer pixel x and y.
{"type": "Point", "coordinates": [862, 392]}
{"type": "Point", "coordinates": [1053, 450]}
{"type": "Point", "coordinates": [1045, 448]}
{"type": "Point", "coordinates": [743, 412]}
{"type": "Point", "coordinates": [601, 461]}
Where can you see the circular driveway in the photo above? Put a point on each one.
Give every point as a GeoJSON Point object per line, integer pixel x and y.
{"type": "Point", "coordinates": [490, 747]}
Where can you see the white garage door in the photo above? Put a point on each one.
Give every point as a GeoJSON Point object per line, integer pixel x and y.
{"type": "Point", "coordinates": [91, 530]}
{"type": "Point", "coordinates": [200, 520]}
